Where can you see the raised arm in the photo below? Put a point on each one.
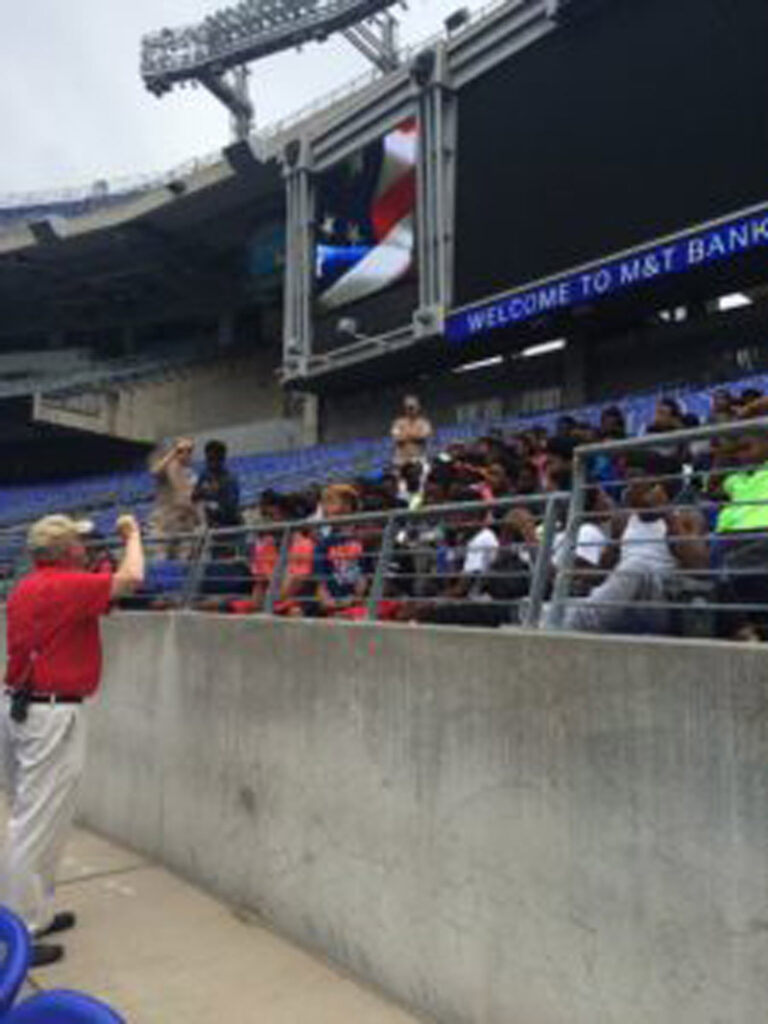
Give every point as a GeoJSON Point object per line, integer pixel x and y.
{"type": "Point", "coordinates": [160, 465]}
{"type": "Point", "coordinates": [130, 572]}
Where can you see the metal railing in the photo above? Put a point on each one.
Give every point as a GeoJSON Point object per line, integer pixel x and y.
{"type": "Point", "coordinates": [116, 188]}
{"type": "Point", "coordinates": [465, 563]}
{"type": "Point", "coordinates": [642, 548]}
{"type": "Point", "coordinates": [352, 88]}
{"type": "Point", "coordinates": [688, 555]}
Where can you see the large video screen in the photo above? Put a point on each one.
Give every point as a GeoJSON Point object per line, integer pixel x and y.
{"type": "Point", "coordinates": [365, 228]}
{"type": "Point", "coordinates": [639, 120]}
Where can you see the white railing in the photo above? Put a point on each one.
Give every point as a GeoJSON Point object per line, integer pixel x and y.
{"type": "Point", "coordinates": [367, 78]}
{"type": "Point", "coordinates": [124, 185]}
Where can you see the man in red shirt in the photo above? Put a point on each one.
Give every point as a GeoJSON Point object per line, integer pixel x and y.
{"type": "Point", "coordinates": [54, 663]}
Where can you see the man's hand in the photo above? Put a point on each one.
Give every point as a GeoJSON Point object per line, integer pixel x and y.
{"type": "Point", "coordinates": [130, 573]}
{"type": "Point", "coordinates": [127, 526]}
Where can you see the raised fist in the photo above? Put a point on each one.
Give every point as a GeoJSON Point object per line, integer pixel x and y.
{"type": "Point", "coordinates": [126, 526]}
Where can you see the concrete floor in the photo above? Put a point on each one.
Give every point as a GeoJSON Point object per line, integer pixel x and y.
{"type": "Point", "coordinates": [162, 952]}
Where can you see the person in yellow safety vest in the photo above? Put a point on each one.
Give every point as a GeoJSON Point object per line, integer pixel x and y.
{"type": "Point", "coordinates": [746, 489]}
{"type": "Point", "coordinates": [742, 525]}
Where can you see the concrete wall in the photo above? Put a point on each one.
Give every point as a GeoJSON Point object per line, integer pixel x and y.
{"type": "Point", "coordinates": [229, 391]}
{"type": "Point", "coordinates": [517, 388]}
{"type": "Point", "coordinates": [496, 828]}
{"type": "Point", "coordinates": [262, 436]}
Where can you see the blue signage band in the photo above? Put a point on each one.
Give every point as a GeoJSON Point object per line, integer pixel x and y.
{"type": "Point", "coordinates": [713, 243]}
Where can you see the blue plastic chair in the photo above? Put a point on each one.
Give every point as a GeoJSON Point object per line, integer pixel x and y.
{"type": "Point", "coordinates": [60, 1006]}
{"type": "Point", "coordinates": [15, 949]}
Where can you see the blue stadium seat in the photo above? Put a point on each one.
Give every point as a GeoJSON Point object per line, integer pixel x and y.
{"type": "Point", "coordinates": [294, 470]}
{"type": "Point", "coordinates": [15, 947]}
{"type": "Point", "coordinates": [10, 215]}
{"type": "Point", "coordinates": [60, 1006]}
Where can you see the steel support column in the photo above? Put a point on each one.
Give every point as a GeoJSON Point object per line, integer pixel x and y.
{"type": "Point", "coordinates": [427, 87]}
{"type": "Point", "coordinates": [297, 322]}
{"type": "Point", "coordinates": [436, 178]}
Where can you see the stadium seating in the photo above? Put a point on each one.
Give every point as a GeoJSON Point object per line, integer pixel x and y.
{"type": "Point", "coordinates": [60, 1006]}
{"type": "Point", "coordinates": [100, 374]}
{"type": "Point", "coordinates": [100, 497]}
{"type": "Point", "coordinates": [38, 210]}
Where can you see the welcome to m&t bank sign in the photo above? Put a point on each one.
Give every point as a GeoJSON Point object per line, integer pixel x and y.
{"type": "Point", "coordinates": [740, 234]}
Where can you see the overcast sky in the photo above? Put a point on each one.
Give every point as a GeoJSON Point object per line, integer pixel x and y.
{"type": "Point", "coordinates": [73, 108]}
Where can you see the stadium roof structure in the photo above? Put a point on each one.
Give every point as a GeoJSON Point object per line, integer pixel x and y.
{"type": "Point", "coordinates": [178, 246]}
{"type": "Point", "coordinates": [168, 245]}
{"type": "Point", "coordinates": [175, 250]}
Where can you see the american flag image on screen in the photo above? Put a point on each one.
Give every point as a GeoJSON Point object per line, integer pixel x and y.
{"type": "Point", "coordinates": [365, 220]}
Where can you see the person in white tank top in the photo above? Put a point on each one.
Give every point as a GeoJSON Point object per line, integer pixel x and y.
{"type": "Point", "coordinates": [645, 544]}
{"type": "Point", "coordinates": [651, 540]}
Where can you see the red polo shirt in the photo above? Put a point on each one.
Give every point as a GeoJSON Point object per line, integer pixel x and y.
{"type": "Point", "coordinates": [54, 612]}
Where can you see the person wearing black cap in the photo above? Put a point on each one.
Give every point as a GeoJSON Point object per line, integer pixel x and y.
{"type": "Point", "coordinates": [218, 489]}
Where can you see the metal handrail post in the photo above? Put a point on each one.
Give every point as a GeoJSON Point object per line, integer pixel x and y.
{"type": "Point", "coordinates": [570, 540]}
{"type": "Point", "coordinates": [379, 575]}
{"type": "Point", "coordinates": [542, 566]}
{"type": "Point", "coordinates": [273, 590]}
{"type": "Point", "coordinates": [674, 437]}
{"type": "Point", "coordinates": [200, 557]}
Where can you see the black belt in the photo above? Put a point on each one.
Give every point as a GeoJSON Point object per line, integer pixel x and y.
{"type": "Point", "coordinates": [48, 698]}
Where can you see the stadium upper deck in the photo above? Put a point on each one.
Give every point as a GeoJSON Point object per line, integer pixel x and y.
{"type": "Point", "coordinates": [584, 222]}
{"type": "Point", "coordinates": [175, 251]}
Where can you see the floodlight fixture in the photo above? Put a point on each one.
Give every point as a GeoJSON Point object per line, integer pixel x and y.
{"type": "Point", "coordinates": [232, 37]}
{"type": "Point", "coordinates": [457, 20]}
{"type": "Point", "coordinates": [292, 152]}
{"type": "Point", "coordinates": [423, 67]}
{"type": "Point", "coordinates": [349, 327]}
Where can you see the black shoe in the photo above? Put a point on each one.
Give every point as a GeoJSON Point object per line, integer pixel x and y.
{"type": "Point", "coordinates": [61, 922]}
{"type": "Point", "coordinates": [43, 954]}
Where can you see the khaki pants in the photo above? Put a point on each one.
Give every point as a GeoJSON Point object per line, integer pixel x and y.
{"type": "Point", "coordinates": [44, 759]}
{"type": "Point", "coordinates": [178, 529]}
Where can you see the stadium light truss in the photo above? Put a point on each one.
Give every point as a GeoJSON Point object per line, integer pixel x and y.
{"type": "Point", "coordinates": [229, 39]}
